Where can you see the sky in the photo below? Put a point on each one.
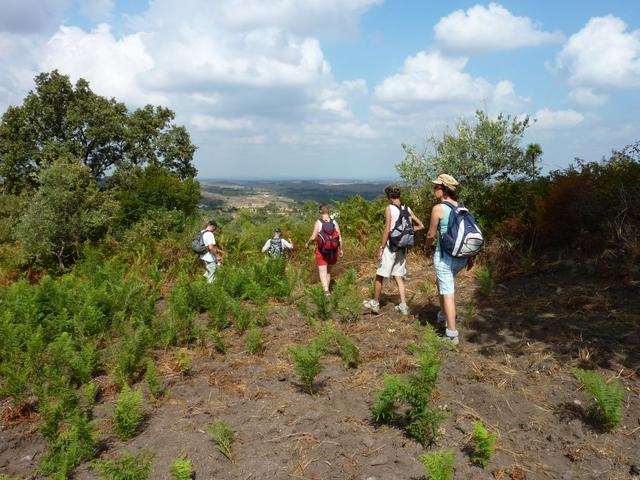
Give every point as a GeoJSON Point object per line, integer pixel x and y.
{"type": "Point", "coordinates": [333, 88]}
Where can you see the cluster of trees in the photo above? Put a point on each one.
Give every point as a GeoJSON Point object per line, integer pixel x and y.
{"type": "Point", "coordinates": [75, 165]}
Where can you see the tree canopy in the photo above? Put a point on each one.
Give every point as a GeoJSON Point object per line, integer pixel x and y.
{"type": "Point", "coordinates": [58, 119]}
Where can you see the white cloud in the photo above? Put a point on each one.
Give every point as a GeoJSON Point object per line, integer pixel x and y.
{"type": "Point", "coordinates": [550, 120]}
{"type": "Point", "coordinates": [111, 65]}
{"type": "Point", "coordinates": [603, 54]}
{"type": "Point", "coordinates": [210, 122]}
{"type": "Point", "coordinates": [494, 27]}
{"type": "Point", "coordinates": [434, 77]}
{"type": "Point", "coordinates": [31, 16]}
{"type": "Point", "coordinates": [586, 97]}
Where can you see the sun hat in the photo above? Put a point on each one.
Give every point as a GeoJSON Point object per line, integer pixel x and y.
{"type": "Point", "coordinates": [446, 180]}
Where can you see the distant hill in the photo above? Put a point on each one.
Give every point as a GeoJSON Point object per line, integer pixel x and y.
{"type": "Point", "coordinates": [282, 193]}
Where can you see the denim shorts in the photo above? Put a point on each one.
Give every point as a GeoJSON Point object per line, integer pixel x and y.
{"type": "Point", "coordinates": [447, 267]}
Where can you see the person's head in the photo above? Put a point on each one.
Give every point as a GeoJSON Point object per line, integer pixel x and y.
{"type": "Point", "coordinates": [324, 209]}
{"type": "Point", "coordinates": [212, 225]}
{"type": "Point", "coordinates": [276, 233]}
{"type": "Point", "coordinates": [445, 186]}
{"type": "Point", "coordinates": [392, 191]}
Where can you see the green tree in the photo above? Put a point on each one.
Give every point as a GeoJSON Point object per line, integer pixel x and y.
{"type": "Point", "coordinates": [66, 210]}
{"type": "Point", "coordinates": [478, 154]}
{"type": "Point", "coordinates": [58, 119]}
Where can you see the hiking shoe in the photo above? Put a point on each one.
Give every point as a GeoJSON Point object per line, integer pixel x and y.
{"type": "Point", "coordinates": [403, 309]}
{"type": "Point", "coordinates": [453, 340]}
{"type": "Point", "coordinates": [327, 293]}
{"type": "Point", "coordinates": [372, 305]}
{"type": "Point", "coordinates": [441, 318]}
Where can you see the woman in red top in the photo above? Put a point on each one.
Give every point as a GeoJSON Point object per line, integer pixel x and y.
{"type": "Point", "coordinates": [326, 233]}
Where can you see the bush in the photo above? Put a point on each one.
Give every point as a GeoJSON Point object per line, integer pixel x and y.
{"type": "Point", "coordinates": [181, 469]}
{"type": "Point", "coordinates": [438, 465]}
{"type": "Point", "coordinates": [128, 413]}
{"type": "Point", "coordinates": [483, 444]}
{"type": "Point", "coordinates": [126, 467]}
{"type": "Point", "coordinates": [223, 437]}
{"type": "Point", "coordinates": [153, 379]}
{"type": "Point", "coordinates": [306, 363]}
{"type": "Point", "coordinates": [254, 340]}
{"type": "Point", "coordinates": [607, 406]}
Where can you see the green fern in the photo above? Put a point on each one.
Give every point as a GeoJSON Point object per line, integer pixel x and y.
{"type": "Point", "coordinates": [608, 398]}
{"type": "Point", "coordinates": [181, 469]}
{"type": "Point", "coordinates": [223, 437]}
{"type": "Point", "coordinates": [384, 406]}
{"type": "Point", "coordinates": [126, 467]}
{"type": "Point", "coordinates": [306, 362]}
{"type": "Point", "coordinates": [483, 444]}
{"type": "Point", "coordinates": [218, 342]}
{"type": "Point", "coordinates": [128, 412]}
{"type": "Point", "coordinates": [254, 340]}
{"type": "Point", "coordinates": [153, 379]}
{"type": "Point", "coordinates": [438, 465]}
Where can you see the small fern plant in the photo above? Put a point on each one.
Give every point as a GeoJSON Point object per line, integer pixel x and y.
{"type": "Point", "coordinates": [438, 465]}
{"type": "Point", "coordinates": [223, 437]}
{"type": "Point", "coordinates": [153, 379]}
{"type": "Point", "coordinates": [483, 444]}
{"type": "Point", "coordinates": [181, 469]}
{"type": "Point", "coordinates": [608, 397]}
{"type": "Point", "coordinates": [126, 467]}
{"type": "Point", "coordinates": [306, 363]}
{"type": "Point", "coordinates": [254, 343]}
{"type": "Point", "coordinates": [128, 412]}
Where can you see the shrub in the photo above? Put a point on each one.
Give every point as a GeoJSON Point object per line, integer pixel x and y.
{"type": "Point", "coordinates": [153, 379]}
{"type": "Point", "coordinates": [323, 304]}
{"type": "Point", "coordinates": [306, 363]}
{"type": "Point", "coordinates": [73, 443]}
{"type": "Point", "coordinates": [607, 406]}
{"type": "Point", "coordinates": [218, 342]}
{"type": "Point", "coordinates": [330, 338]}
{"type": "Point", "coordinates": [183, 360]}
{"type": "Point", "coordinates": [181, 469]}
{"type": "Point", "coordinates": [254, 340]}
{"type": "Point", "coordinates": [126, 467]}
{"type": "Point", "coordinates": [484, 276]}
{"type": "Point", "coordinates": [347, 301]}
{"type": "Point", "coordinates": [415, 391]}
{"type": "Point", "coordinates": [128, 413]}
{"type": "Point", "coordinates": [438, 465]}
{"type": "Point", "coordinates": [483, 444]}
{"type": "Point", "coordinates": [223, 437]}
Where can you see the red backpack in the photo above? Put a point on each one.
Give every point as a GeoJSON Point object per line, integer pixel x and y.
{"type": "Point", "coordinates": [328, 238]}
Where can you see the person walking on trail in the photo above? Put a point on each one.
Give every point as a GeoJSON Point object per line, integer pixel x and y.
{"type": "Point", "coordinates": [446, 266]}
{"type": "Point", "coordinates": [326, 234]}
{"type": "Point", "coordinates": [276, 246]}
{"type": "Point", "coordinates": [212, 257]}
{"type": "Point", "coordinates": [397, 236]}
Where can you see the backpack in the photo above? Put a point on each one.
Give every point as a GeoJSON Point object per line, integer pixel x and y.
{"type": "Point", "coordinates": [401, 236]}
{"type": "Point", "coordinates": [198, 245]}
{"type": "Point", "coordinates": [328, 238]}
{"type": "Point", "coordinates": [275, 247]}
{"type": "Point", "coordinates": [463, 237]}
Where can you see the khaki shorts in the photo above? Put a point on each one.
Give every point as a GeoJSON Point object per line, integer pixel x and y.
{"type": "Point", "coordinates": [393, 264]}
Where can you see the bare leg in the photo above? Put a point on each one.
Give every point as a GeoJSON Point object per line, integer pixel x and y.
{"type": "Point", "coordinates": [401, 290]}
{"type": "Point", "coordinates": [329, 268]}
{"type": "Point", "coordinates": [322, 271]}
{"type": "Point", "coordinates": [378, 288]}
{"type": "Point", "coordinates": [448, 303]}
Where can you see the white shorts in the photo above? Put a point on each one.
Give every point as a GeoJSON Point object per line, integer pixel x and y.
{"type": "Point", "coordinates": [392, 263]}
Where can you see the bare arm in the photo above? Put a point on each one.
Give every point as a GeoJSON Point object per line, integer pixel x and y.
{"type": "Point", "coordinates": [436, 216]}
{"type": "Point", "coordinates": [416, 222]}
{"type": "Point", "coordinates": [313, 236]}
{"type": "Point", "coordinates": [385, 232]}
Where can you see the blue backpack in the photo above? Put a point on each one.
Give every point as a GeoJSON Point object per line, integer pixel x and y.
{"type": "Point", "coordinates": [463, 237]}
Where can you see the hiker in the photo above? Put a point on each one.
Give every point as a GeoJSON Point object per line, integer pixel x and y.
{"type": "Point", "coordinates": [212, 257]}
{"type": "Point", "coordinates": [276, 246]}
{"type": "Point", "coordinates": [446, 266]}
{"type": "Point", "coordinates": [397, 237]}
{"type": "Point", "coordinates": [326, 234]}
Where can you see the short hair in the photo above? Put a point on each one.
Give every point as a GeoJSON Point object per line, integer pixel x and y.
{"type": "Point", "coordinates": [212, 223]}
{"type": "Point", "coordinates": [392, 191]}
{"type": "Point", "coordinates": [324, 208]}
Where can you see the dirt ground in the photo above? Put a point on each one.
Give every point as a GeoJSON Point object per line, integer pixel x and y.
{"type": "Point", "coordinates": [512, 371]}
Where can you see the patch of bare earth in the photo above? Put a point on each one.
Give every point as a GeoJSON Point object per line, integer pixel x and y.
{"type": "Point", "coordinates": [512, 371]}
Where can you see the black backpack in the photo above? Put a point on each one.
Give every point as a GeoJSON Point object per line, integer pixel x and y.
{"type": "Point", "coordinates": [275, 247]}
{"type": "Point", "coordinates": [198, 245]}
{"type": "Point", "coordinates": [402, 235]}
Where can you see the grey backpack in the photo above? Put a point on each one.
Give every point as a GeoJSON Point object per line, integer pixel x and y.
{"type": "Point", "coordinates": [198, 245]}
{"type": "Point", "coordinates": [402, 235]}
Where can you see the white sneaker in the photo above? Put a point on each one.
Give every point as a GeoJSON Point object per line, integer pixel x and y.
{"type": "Point", "coordinates": [403, 309]}
{"type": "Point", "coordinates": [452, 336]}
{"type": "Point", "coordinates": [372, 305]}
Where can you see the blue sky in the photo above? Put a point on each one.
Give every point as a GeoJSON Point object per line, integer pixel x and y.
{"type": "Point", "coordinates": [332, 88]}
